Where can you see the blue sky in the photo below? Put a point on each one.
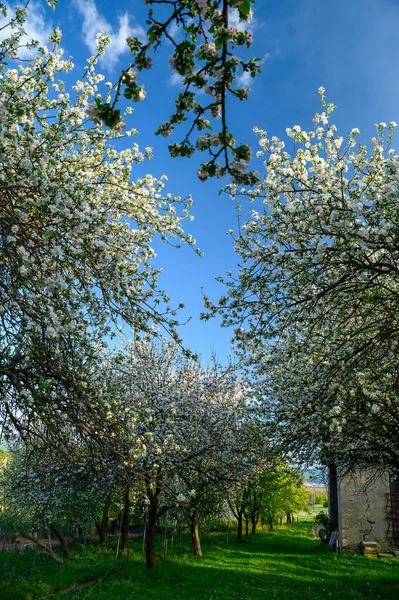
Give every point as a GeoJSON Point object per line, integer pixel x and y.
{"type": "Point", "coordinates": [350, 47]}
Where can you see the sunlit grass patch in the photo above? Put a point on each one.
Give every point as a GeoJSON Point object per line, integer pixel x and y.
{"type": "Point", "coordinates": [283, 564]}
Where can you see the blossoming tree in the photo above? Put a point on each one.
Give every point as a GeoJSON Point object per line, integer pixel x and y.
{"type": "Point", "coordinates": [203, 483]}
{"type": "Point", "coordinates": [76, 235]}
{"type": "Point", "coordinates": [178, 427]}
{"type": "Point", "coordinates": [315, 301]}
{"type": "Point", "coordinates": [43, 491]}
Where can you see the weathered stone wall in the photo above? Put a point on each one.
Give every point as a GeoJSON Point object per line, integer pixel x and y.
{"type": "Point", "coordinates": [362, 509]}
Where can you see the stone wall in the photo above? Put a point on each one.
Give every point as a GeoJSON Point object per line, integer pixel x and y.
{"type": "Point", "coordinates": [362, 510]}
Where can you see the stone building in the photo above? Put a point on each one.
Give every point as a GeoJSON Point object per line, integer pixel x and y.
{"type": "Point", "coordinates": [364, 507]}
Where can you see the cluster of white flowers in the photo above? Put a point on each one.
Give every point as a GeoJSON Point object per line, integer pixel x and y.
{"type": "Point", "coordinates": [202, 6]}
{"type": "Point", "coordinates": [203, 174]}
{"type": "Point", "coordinates": [209, 49]}
{"type": "Point", "coordinates": [166, 129]}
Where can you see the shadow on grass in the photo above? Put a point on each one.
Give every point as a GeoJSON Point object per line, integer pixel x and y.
{"type": "Point", "coordinates": [205, 582]}
{"type": "Point", "coordinates": [284, 564]}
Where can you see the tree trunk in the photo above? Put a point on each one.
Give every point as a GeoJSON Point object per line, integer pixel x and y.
{"type": "Point", "coordinates": [195, 539]}
{"type": "Point", "coordinates": [102, 528]}
{"type": "Point", "coordinates": [150, 557]}
{"type": "Point", "coordinates": [47, 549]}
{"type": "Point", "coordinates": [125, 522]}
{"type": "Point", "coordinates": [62, 541]}
{"type": "Point", "coordinates": [239, 526]}
{"type": "Point", "coordinates": [254, 522]}
{"type": "Point", "coordinates": [271, 524]}
{"type": "Point", "coordinates": [246, 526]}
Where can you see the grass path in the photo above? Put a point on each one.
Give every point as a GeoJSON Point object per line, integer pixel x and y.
{"type": "Point", "coordinates": [283, 564]}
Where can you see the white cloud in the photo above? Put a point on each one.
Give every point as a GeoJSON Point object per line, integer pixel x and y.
{"type": "Point", "coordinates": [176, 79]}
{"type": "Point", "coordinates": [175, 30]}
{"type": "Point", "coordinates": [244, 79]}
{"type": "Point", "coordinates": [94, 22]}
{"type": "Point", "coordinates": [234, 21]}
{"type": "Point", "coordinates": [35, 26]}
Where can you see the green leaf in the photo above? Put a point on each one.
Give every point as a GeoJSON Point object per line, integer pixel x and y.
{"type": "Point", "coordinates": [245, 8]}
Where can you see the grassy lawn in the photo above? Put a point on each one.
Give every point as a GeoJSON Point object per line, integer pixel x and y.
{"type": "Point", "coordinates": [286, 563]}
{"type": "Point", "coordinates": [309, 515]}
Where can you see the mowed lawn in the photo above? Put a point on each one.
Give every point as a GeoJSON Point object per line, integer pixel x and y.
{"type": "Point", "coordinates": [286, 563]}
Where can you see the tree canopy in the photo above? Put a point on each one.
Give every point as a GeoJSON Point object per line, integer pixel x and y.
{"type": "Point", "coordinates": [76, 234]}
{"type": "Point", "coordinates": [315, 300]}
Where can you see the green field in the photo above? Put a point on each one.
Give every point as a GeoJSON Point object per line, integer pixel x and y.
{"type": "Point", "coordinates": [286, 563]}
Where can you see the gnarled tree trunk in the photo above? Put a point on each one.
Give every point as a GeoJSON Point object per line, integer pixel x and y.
{"type": "Point", "coordinates": [195, 539]}
{"type": "Point", "coordinates": [102, 528]}
{"type": "Point", "coordinates": [46, 547]}
{"type": "Point", "coordinates": [150, 557]}
{"type": "Point", "coordinates": [62, 541]}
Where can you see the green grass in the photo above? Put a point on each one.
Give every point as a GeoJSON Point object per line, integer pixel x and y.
{"type": "Point", "coordinates": [286, 563]}
{"type": "Point", "coordinates": [307, 516]}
